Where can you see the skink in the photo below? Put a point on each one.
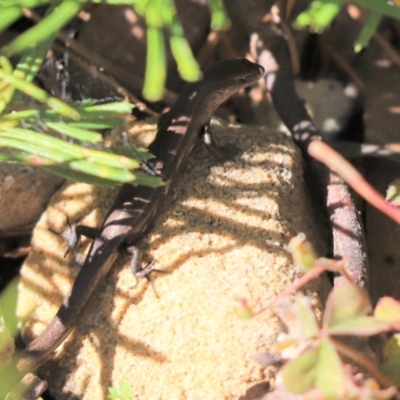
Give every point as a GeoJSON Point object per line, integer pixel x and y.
{"type": "Point", "coordinates": [135, 207]}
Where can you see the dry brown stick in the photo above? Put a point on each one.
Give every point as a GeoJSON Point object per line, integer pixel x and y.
{"type": "Point", "coordinates": [344, 65]}
{"type": "Point", "coordinates": [387, 48]}
{"type": "Point", "coordinates": [121, 74]}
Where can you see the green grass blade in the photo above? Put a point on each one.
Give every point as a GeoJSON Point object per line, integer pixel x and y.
{"type": "Point", "coordinates": [61, 151]}
{"type": "Point", "coordinates": [74, 132]}
{"type": "Point", "coordinates": [147, 180]}
{"type": "Point", "coordinates": [380, 6]}
{"type": "Point", "coordinates": [50, 25]}
{"type": "Point", "coordinates": [8, 15]}
{"type": "Point", "coordinates": [120, 107]}
{"type": "Point", "coordinates": [40, 152]}
{"type": "Point", "coordinates": [96, 124]}
{"type": "Point", "coordinates": [80, 177]}
{"type": "Point", "coordinates": [367, 32]}
{"type": "Point", "coordinates": [219, 16]}
{"type": "Point", "coordinates": [138, 153]}
{"type": "Point", "coordinates": [319, 15]}
{"type": "Point", "coordinates": [40, 95]}
{"type": "Point", "coordinates": [23, 158]}
{"type": "Point", "coordinates": [102, 171]}
{"type": "Point", "coordinates": [187, 65]}
{"type": "Point", "coordinates": [155, 65]}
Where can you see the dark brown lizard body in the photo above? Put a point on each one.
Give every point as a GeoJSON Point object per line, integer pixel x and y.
{"type": "Point", "coordinates": [134, 208]}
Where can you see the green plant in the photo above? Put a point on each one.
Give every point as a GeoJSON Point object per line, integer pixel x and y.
{"type": "Point", "coordinates": [320, 14]}
{"type": "Point", "coordinates": [24, 133]}
{"type": "Point", "coordinates": [316, 360]}
{"type": "Point", "coordinates": [122, 391]}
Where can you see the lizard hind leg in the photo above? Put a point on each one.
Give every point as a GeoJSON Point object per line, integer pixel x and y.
{"type": "Point", "coordinates": [138, 271]}
{"type": "Point", "coordinates": [74, 233]}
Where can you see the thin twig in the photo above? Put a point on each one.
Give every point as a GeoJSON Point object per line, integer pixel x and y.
{"type": "Point", "coordinates": [100, 75]}
{"type": "Point", "coordinates": [387, 48]}
{"type": "Point", "coordinates": [344, 65]}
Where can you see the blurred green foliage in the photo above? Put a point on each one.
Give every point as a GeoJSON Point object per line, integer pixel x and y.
{"type": "Point", "coordinates": [24, 133]}
{"type": "Point", "coordinates": [320, 14]}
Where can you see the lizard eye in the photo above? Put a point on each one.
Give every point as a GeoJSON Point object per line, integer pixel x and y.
{"type": "Point", "coordinates": [242, 80]}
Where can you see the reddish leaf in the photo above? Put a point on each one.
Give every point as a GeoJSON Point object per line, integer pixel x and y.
{"type": "Point", "coordinates": [242, 309]}
{"type": "Point", "coordinates": [388, 309]}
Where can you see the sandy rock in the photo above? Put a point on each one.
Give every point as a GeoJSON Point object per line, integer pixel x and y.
{"type": "Point", "coordinates": [24, 194]}
{"type": "Point", "coordinates": [221, 236]}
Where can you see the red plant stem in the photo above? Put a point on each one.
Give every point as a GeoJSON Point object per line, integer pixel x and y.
{"type": "Point", "coordinates": [322, 152]}
{"type": "Point", "coordinates": [318, 269]}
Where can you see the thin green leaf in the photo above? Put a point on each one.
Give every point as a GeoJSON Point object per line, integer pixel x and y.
{"type": "Point", "coordinates": [24, 3]}
{"type": "Point", "coordinates": [31, 60]}
{"type": "Point", "coordinates": [23, 158]}
{"type": "Point", "coordinates": [8, 304]}
{"type": "Point", "coordinates": [18, 115]}
{"type": "Point", "coordinates": [120, 107]}
{"type": "Point", "coordinates": [6, 90]}
{"type": "Point", "coordinates": [138, 153]}
{"type": "Point", "coordinates": [139, 178]}
{"type": "Point", "coordinates": [80, 177]}
{"type": "Point", "coordinates": [330, 378]}
{"type": "Point", "coordinates": [51, 24]}
{"type": "Point", "coordinates": [380, 6]}
{"type": "Point", "coordinates": [8, 15]}
{"type": "Point", "coordinates": [361, 326]}
{"type": "Point", "coordinates": [96, 124]}
{"type": "Point", "coordinates": [36, 117]}
{"type": "Point", "coordinates": [7, 124]}
{"type": "Point", "coordinates": [155, 70]}
{"type": "Point", "coordinates": [57, 149]}
{"type": "Point", "coordinates": [319, 15]}
{"type": "Point", "coordinates": [299, 374]}
{"type": "Point", "coordinates": [187, 65]}
{"type": "Point", "coordinates": [155, 12]}
{"type": "Point", "coordinates": [367, 32]}
{"type": "Point", "coordinates": [102, 171]}
{"type": "Point", "coordinates": [37, 149]}
{"type": "Point", "coordinates": [40, 95]}
{"type": "Point", "coordinates": [147, 180]}
{"type": "Point", "coordinates": [219, 16]}
{"type": "Point", "coordinates": [74, 132]}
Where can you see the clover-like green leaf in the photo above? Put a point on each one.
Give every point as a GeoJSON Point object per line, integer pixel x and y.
{"type": "Point", "coordinates": [299, 375]}
{"type": "Point", "coordinates": [330, 377]}
{"type": "Point", "coordinates": [346, 302]}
